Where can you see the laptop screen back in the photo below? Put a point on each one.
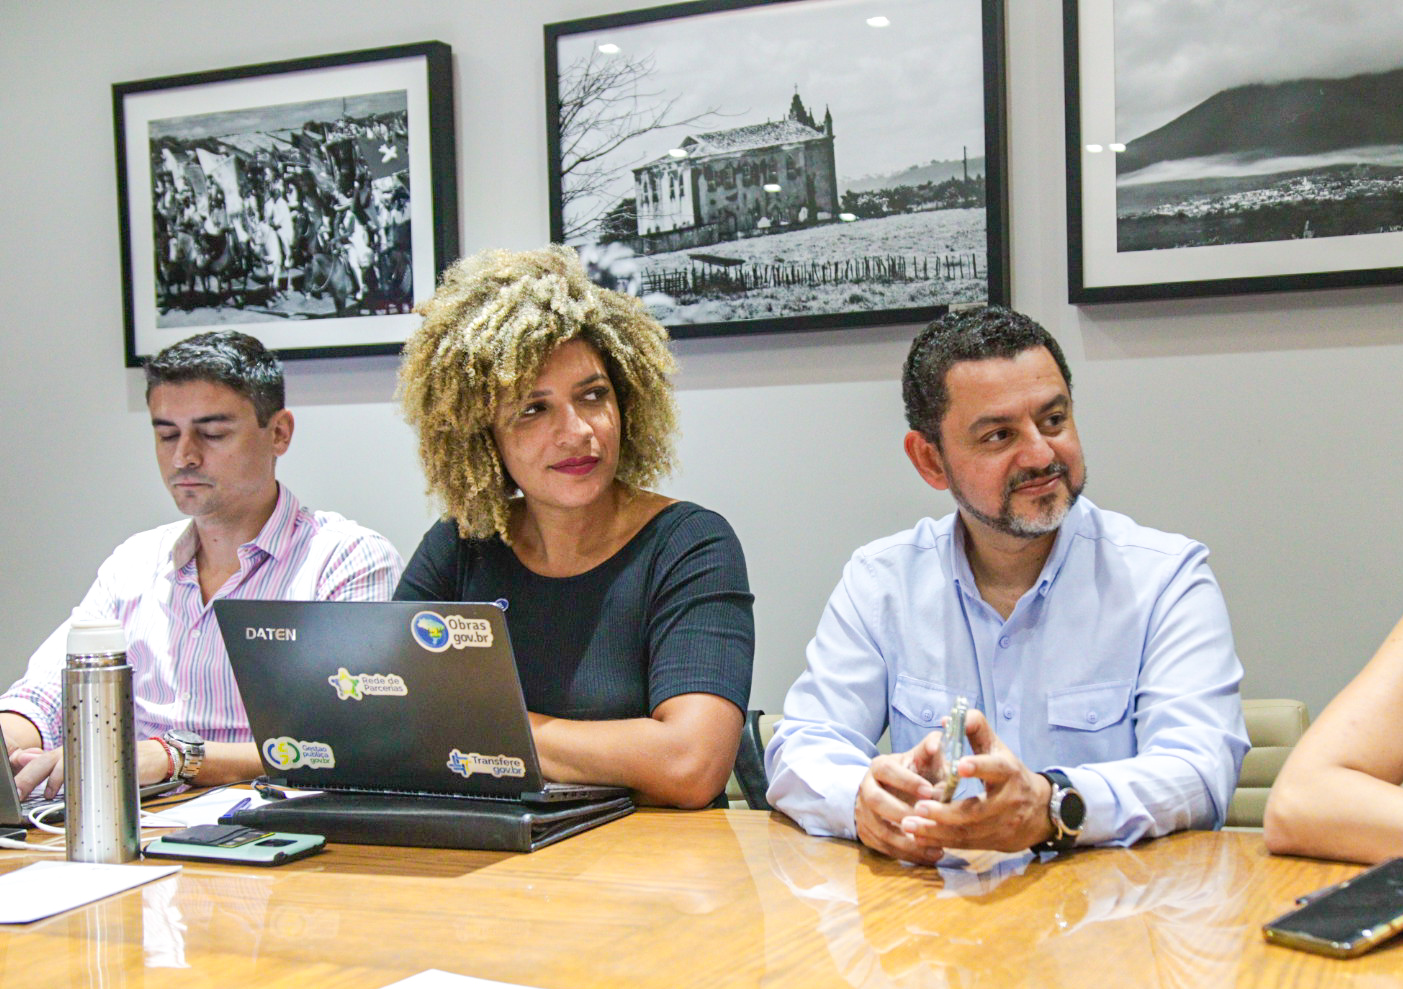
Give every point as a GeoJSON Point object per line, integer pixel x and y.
{"type": "Point", "coordinates": [386, 695]}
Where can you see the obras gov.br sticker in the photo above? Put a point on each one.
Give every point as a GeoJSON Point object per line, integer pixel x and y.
{"type": "Point", "coordinates": [438, 633]}
{"type": "Point", "coordinates": [466, 764]}
{"type": "Point", "coordinates": [355, 686]}
{"type": "Point", "coordinates": [293, 753]}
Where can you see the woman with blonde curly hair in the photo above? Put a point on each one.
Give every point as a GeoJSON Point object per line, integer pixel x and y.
{"type": "Point", "coordinates": [544, 411]}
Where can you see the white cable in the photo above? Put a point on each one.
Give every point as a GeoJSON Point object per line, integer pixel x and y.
{"type": "Point", "coordinates": [25, 846]}
{"type": "Point", "coordinates": [37, 815]}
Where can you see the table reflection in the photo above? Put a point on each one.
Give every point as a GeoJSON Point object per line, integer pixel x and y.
{"type": "Point", "coordinates": [1017, 920]}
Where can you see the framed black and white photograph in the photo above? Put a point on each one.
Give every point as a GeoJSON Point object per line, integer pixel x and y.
{"type": "Point", "coordinates": [309, 202]}
{"type": "Point", "coordinates": [755, 167]}
{"type": "Point", "coordinates": [1219, 148]}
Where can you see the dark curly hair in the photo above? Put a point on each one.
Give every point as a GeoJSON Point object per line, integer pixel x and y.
{"type": "Point", "coordinates": [966, 335]}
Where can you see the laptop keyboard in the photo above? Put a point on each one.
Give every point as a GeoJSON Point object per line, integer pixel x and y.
{"type": "Point", "coordinates": [31, 804]}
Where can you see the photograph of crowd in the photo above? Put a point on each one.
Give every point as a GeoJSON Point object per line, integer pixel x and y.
{"type": "Point", "coordinates": [293, 211]}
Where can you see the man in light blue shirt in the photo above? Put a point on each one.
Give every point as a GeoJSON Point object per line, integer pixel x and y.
{"type": "Point", "coordinates": [1095, 653]}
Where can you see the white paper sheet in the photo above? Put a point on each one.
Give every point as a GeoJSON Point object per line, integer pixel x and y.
{"type": "Point", "coordinates": [209, 808]}
{"type": "Point", "coordinates": [438, 979]}
{"type": "Point", "coordinates": [46, 888]}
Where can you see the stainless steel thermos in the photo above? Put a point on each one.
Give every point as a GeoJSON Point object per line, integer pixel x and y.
{"type": "Point", "coordinates": [99, 746]}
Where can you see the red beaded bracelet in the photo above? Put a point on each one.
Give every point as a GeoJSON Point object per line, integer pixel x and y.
{"type": "Point", "coordinates": [170, 757]}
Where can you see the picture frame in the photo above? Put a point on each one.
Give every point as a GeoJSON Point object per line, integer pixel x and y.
{"type": "Point", "coordinates": [819, 172]}
{"type": "Point", "coordinates": [308, 202]}
{"type": "Point", "coordinates": [1200, 166]}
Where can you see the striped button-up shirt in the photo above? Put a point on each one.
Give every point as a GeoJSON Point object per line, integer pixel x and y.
{"type": "Point", "coordinates": [181, 673]}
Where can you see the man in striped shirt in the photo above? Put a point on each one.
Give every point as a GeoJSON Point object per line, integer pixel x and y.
{"type": "Point", "coordinates": [216, 403]}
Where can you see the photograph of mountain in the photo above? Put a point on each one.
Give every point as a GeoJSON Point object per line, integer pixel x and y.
{"type": "Point", "coordinates": [1257, 121]}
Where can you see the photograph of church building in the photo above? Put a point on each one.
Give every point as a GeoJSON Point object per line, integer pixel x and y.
{"type": "Point", "coordinates": [744, 181]}
{"type": "Point", "coordinates": [696, 161]}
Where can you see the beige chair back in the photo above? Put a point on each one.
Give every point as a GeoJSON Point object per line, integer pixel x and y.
{"type": "Point", "coordinates": [1273, 727]}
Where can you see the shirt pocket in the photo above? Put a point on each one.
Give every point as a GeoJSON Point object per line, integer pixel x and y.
{"type": "Point", "coordinates": [1090, 706]}
{"type": "Point", "coordinates": [917, 707]}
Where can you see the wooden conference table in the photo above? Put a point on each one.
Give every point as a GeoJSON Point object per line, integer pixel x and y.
{"type": "Point", "coordinates": [710, 898]}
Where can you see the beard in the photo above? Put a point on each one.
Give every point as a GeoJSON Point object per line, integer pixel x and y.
{"type": "Point", "coordinates": [1048, 511]}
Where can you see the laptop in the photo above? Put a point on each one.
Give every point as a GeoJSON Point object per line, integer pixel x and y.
{"type": "Point", "coordinates": [14, 813]}
{"type": "Point", "coordinates": [389, 697]}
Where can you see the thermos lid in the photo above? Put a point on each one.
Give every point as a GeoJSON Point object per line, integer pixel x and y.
{"type": "Point", "coordinates": [87, 636]}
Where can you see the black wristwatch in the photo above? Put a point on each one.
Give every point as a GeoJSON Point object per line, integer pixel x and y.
{"type": "Point", "coordinates": [1067, 812]}
{"type": "Point", "coordinates": [192, 752]}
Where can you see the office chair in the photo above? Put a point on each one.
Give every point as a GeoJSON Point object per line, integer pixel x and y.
{"type": "Point", "coordinates": [1273, 727]}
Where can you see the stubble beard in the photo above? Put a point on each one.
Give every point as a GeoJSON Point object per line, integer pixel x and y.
{"type": "Point", "coordinates": [199, 502]}
{"type": "Point", "coordinates": [1051, 509]}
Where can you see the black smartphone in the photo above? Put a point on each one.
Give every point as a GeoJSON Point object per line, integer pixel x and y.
{"type": "Point", "coordinates": [1346, 919]}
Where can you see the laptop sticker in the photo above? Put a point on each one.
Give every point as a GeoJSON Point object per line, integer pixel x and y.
{"type": "Point", "coordinates": [356, 686]}
{"type": "Point", "coordinates": [437, 633]}
{"type": "Point", "coordinates": [496, 765]}
{"type": "Point", "coordinates": [291, 753]}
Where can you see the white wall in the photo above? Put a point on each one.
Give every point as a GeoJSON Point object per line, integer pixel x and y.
{"type": "Point", "coordinates": [1267, 426]}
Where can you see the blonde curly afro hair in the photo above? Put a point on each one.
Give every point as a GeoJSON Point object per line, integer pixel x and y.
{"type": "Point", "coordinates": [488, 330]}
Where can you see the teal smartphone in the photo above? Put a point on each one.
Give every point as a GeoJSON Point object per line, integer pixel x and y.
{"type": "Point", "coordinates": [235, 844]}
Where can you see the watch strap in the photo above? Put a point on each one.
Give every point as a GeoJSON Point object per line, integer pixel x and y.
{"type": "Point", "coordinates": [192, 754]}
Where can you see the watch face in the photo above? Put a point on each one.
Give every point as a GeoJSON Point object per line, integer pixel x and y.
{"type": "Point", "coordinates": [1073, 810]}
{"type": "Point", "coordinates": [185, 737]}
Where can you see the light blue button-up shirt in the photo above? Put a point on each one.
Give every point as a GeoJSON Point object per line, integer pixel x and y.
{"type": "Point", "coordinates": [1116, 667]}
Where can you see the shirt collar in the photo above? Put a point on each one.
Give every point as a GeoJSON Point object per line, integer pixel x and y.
{"type": "Point", "coordinates": [274, 538]}
{"type": "Point", "coordinates": [1066, 534]}
{"type": "Point", "coordinates": [276, 535]}
{"type": "Point", "coordinates": [184, 547]}
{"type": "Point", "coordinates": [1052, 566]}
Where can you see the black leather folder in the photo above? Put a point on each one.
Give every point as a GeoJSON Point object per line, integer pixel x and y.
{"type": "Point", "coordinates": [431, 822]}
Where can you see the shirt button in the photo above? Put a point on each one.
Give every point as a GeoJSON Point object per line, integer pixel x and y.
{"type": "Point", "coordinates": [194, 633]}
{"type": "Point", "coordinates": [927, 714]}
{"type": "Point", "coordinates": [1008, 714]}
{"type": "Point", "coordinates": [1091, 718]}
{"type": "Point", "coordinates": [1004, 641]}
{"type": "Point", "coordinates": [185, 696]}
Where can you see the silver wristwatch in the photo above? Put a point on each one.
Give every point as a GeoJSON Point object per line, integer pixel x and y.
{"type": "Point", "coordinates": [192, 752]}
{"type": "Point", "coordinates": [1066, 811]}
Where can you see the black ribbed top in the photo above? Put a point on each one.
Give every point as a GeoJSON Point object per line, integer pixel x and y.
{"type": "Point", "coordinates": [668, 614]}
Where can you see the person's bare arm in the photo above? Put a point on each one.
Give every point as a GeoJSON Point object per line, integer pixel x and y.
{"type": "Point", "coordinates": [1338, 795]}
{"type": "Point", "coordinates": [229, 762]}
{"type": "Point", "coordinates": [679, 757]}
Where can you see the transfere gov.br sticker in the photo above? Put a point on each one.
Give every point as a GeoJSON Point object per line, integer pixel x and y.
{"type": "Point", "coordinates": [466, 764]}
